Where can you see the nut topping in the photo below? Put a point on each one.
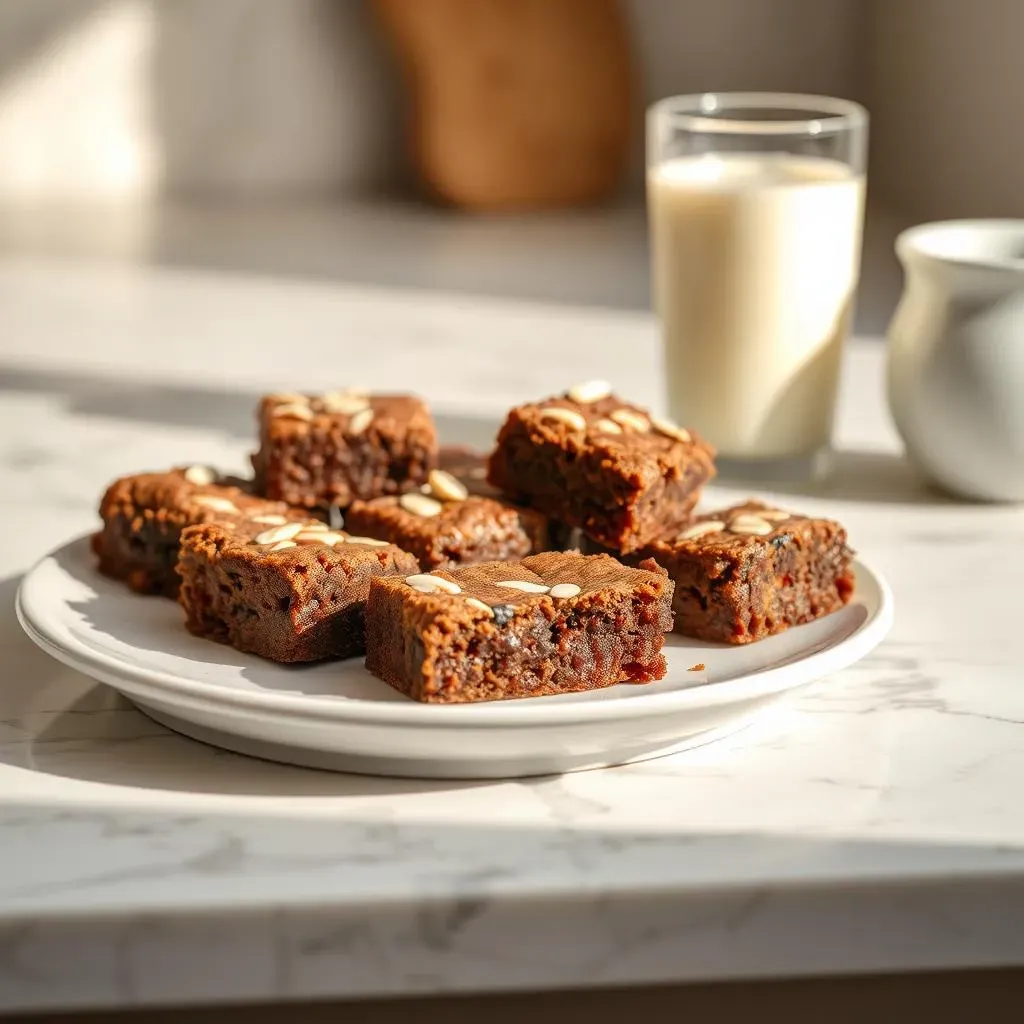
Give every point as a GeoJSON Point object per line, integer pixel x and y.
{"type": "Point", "coordinates": [563, 590]}
{"type": "Point", "coordinates": [282, 544]}
{"type": "Point", "coordinates": [292, 411]}
{"type": "Point", "coordinates": [201, 476]}
{"type": "Point", "coordinates": [589, 391]}
{"type": "Point", "coordinates": [276, 533]}
{"type": "Point", "coordinates": [750, 524]}
{"type": "Point", "coordinates": [328, 537]}
{"type": "Point", "coordinates": [702, 529]}
{"type": "Point", "coordinates": [343, 402]}
{"type": "Point", "coordinates": [772, 515]}
{"type": "Point", "coordinates": [670, 429]}
{"type": "Point", "coordinates": [371, 541]}
{"type": "Point", "coordinates": [270, 519]}
{"type": "Point", "coordinates": [631, 420]}
{"type": "Point", "coordinates": [446, 487]}
{"type": "Point", "coordinates": [216, 503]}
{"type": "Point", "coordinates": [480, 606]}
{"type": "Point", "coordinates": [428, 583]}
{"type": "Point", "coordinates": [566, 416]}
{"type": "Point", "coordinates": [608, 427]}
{"type": "Point", "coordinates": [359, 422]}
{"type": "Point", "coordinates": [524, 585]}
{"type": "Point", "coordinates": [420, 504]}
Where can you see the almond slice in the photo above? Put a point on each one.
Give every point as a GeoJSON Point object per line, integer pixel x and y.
{"type": "Point", "coordinates": [563, 590]}
{"type": "Point", "coordinates": [670, 429]}
{"type": "Point", "coordinates": [359, 422]}
{"type": "Point", "coordinates": [371, 541]}
{"type": "Point", "coordinates": [420, 505]}
{"type": "Point", "coordinates": [589, 391]}
{"type": "Point", "coordinates": [428, 583]}
{"type": "Point", "coordinates": [216, 503]}
{"type": "Point", "coordinates": [446, 487]}
{"type": "Point", "coordinates": [702, 529]}
{"type": "Point", "coordinates": [773, 515]}
{"type": "Point", "coordinates": [292, 411]}
{"type": "Point", "coordinates": [524, 585]}
{"type": "Point", "coordinates": [282, 544]}
{"type": "Point", "coordinates": [566, 416]}
{"type": "Point", "coordinates": [201, 476]}
{"type": "Point", "coordinates": [328, 537]}
{"type": "Point", "coordinates": [343, 402]}
{"type": "Point", "coordinates": [631, 420]}
{"type": "Point", "coordinates": [270, 519]}
{"type": "Point", "coordinates": [750, 524]}
{"type": "Point", "coordinates": [608, 427]}
{"type": "Point", "coordinates": [480, 606]}
{"type": "Point", "coordinates": [276, 533]}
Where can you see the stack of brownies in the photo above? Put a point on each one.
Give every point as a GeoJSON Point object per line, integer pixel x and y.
{"type": "Point", "coordinates": [451, 571]}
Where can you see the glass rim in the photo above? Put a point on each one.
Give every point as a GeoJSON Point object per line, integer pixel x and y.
{"type": "Point", "coordinates": [698, 112]}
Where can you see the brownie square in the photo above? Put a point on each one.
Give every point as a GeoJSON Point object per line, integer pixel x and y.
{"type": "Point", "coordinates": [331, 449]}
{"type": "Point", "coordinates": [551, 623]}
{"type": "Point", "coordinates": [143, 516]}
{"type": "Point", "coordinates": [752, 570]}
{"type": "Point", "coordinates": [290, 593]}
{"type": "Point", "coordinates": [447, 526]}
{"type": "Point", "coordinates": [605, 466]}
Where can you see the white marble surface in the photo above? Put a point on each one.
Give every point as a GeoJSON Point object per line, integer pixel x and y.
{"type": "Point", "coordinates": [874, 823]}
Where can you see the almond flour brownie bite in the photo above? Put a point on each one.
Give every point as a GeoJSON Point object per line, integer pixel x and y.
{"type": "Point", "coordinates": [752, 570]}
{"type": "Point", "coordinates": [291, 592]}
{"type": "Point", "coordinates": [444, 525]}
{"type": "Point", "coordinates": [143, 515]}
{"type": "Point", "coordinates": [326, 450]}
{"type": "Point", "coordinates": [551, 623]}
{"type": "Point", "coordinates": [592, 461]}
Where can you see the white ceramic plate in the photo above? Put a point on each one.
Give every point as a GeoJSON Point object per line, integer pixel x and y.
{"type": "Point", "coordinates": [336, 715]}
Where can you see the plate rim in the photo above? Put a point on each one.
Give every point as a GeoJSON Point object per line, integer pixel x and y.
{"type": "Point", "coordinates": [147, 683]}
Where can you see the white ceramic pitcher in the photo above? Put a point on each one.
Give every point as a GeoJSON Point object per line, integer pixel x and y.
{"type": "Point", "coordinates": [956, 355]}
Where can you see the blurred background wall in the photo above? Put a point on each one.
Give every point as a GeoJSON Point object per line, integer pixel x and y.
{"type": "Point", "coordinates": [128, 98]}
{"type": "Point", "coordinates": [106, 104]}
{"type": "Point", "coordinates": [124, 98]}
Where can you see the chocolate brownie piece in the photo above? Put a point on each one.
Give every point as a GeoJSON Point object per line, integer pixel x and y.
{"type": "Point", "coordinates": [551, 623]}
{"type": "Point", "coordinates": [469, 466]}
{"type": "Point", "coordinates": [143, 516]}
{"type": "Point", "coordinates": [748, 571]}
{"type": "Point", "coordinates": [448, 526]}
{"type": "Point", "coordinates": [593, 461]}
{"type": "Point", "coordinates": [331, 449]}
{"type": "Point", "coordinates": [290, 593]}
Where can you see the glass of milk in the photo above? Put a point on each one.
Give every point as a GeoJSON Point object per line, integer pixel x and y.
{"type": "Point", "coordinates": [756, 206]}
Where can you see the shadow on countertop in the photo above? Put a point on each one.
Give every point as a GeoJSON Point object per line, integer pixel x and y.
{"type": "Point", "coordinates": [230, 412]}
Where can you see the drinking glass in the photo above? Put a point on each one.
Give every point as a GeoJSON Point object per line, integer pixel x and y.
{"type": "Point", "coordinates": [756, 207]}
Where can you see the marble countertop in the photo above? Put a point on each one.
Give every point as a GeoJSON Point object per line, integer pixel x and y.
{"type": "Point", "coordinates": [873, 823]}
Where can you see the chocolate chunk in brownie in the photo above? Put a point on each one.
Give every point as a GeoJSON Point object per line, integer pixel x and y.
{"type": "Point", "coordinates": [550, 623]}
{"type": "Point", "coordinates": [332, 449]}
{"type": "Point", "coordinates": [444, 525]}
{"type": "Point", "coordinates": [593, 461]}
{"type": "Point", "coordinates": [143, 516]}
{"type": "Point", "coordinates": [751, 570]}
{"type": "Point", "coordinates": [293, 592]}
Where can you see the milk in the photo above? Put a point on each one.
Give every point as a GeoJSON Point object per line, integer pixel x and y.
{"type": "Point", "coordinates": [755, 264]}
